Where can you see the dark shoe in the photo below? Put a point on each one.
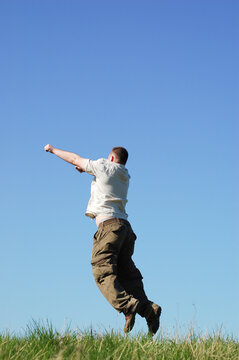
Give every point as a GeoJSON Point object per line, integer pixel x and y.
{"type": "Point", "coordinates": [152, 315]}
{"type": "Point", "coordinates": [129, 322]}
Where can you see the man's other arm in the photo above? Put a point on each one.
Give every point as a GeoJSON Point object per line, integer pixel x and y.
{"type": "Point", "coordinates": [68, 156]}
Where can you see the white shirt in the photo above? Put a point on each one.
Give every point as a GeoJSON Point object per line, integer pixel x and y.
{"type": "Point", "coordinates": [109, 189]}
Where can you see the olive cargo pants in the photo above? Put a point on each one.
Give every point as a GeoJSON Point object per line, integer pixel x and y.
{"type": "Point", "coordinates": [113, 268]}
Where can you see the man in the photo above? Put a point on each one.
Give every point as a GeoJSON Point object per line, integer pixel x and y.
{"type": "Point", "coordinates": [113, 245]}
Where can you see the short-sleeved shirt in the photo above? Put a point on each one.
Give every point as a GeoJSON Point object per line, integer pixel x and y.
{"type": "Point", "coordinates": [109, 188]}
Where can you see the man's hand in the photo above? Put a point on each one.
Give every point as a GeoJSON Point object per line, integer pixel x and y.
{"type": "Point", "coordinates": [49, 148]}
{"type": "Point", "coordinates": [79, 169]}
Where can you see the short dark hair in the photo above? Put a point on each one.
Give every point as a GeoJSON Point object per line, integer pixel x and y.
{"type": "Point", "coordinates": [121, 154]}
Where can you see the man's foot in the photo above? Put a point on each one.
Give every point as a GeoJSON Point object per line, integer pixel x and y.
{"type": "Point", "coordinates": [152, 315]}
{"type": "Point", "coordinates": [129, 322]}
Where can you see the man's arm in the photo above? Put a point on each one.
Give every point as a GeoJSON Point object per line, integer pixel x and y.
{"type": "Point", "coordinates": [70, 157]}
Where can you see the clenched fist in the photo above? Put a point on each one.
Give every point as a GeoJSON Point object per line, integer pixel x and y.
{"type": "Point", "coordinates": [49, 148]}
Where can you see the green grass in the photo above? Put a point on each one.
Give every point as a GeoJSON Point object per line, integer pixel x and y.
{"type": "Point", "coordinates": [41, 341]}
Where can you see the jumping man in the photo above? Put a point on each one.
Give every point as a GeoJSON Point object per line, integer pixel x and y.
{"type": "Point", "coordinates": [113, 245]}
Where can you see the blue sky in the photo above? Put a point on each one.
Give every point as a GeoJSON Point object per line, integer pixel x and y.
{"type": "Point", "coordinates": [161, 79]}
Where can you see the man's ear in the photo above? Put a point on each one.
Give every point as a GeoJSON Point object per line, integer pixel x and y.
{"type": "Point", "coordinates": [112, 158]}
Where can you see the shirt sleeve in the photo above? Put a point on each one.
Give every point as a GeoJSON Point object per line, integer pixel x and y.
{"type": "Point", "coordinates": [94, 167]}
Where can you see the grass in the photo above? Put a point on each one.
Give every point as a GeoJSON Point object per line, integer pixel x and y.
{"type": "Point", "coordinates": [41, 341]}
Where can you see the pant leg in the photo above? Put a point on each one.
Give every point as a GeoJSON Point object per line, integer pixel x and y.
{"type": "Point", "coordinates": [129, 276]}
{"type": "Point", "coordinates": [107, 245]}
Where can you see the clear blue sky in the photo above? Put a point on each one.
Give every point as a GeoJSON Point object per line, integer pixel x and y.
{"type": "Point", "coordinates": [161, 79]}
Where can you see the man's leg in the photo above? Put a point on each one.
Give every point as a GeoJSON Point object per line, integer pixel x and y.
{"type": "Point", "coordinates": [129, 276]}
{"type": "Point", "coordinates": [107, 244]}
{"type": "Point", "coordinates": [117, 277]}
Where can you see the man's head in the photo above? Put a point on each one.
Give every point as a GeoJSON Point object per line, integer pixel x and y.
{"type": "Point", "coordinates": [118, 155]}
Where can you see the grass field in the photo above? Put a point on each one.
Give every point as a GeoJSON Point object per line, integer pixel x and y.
{"type": "Point", "coordinates": [43, 342]}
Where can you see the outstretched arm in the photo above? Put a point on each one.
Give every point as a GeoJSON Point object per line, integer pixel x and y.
{"type": "Point", "coordinates": [68, 156]}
